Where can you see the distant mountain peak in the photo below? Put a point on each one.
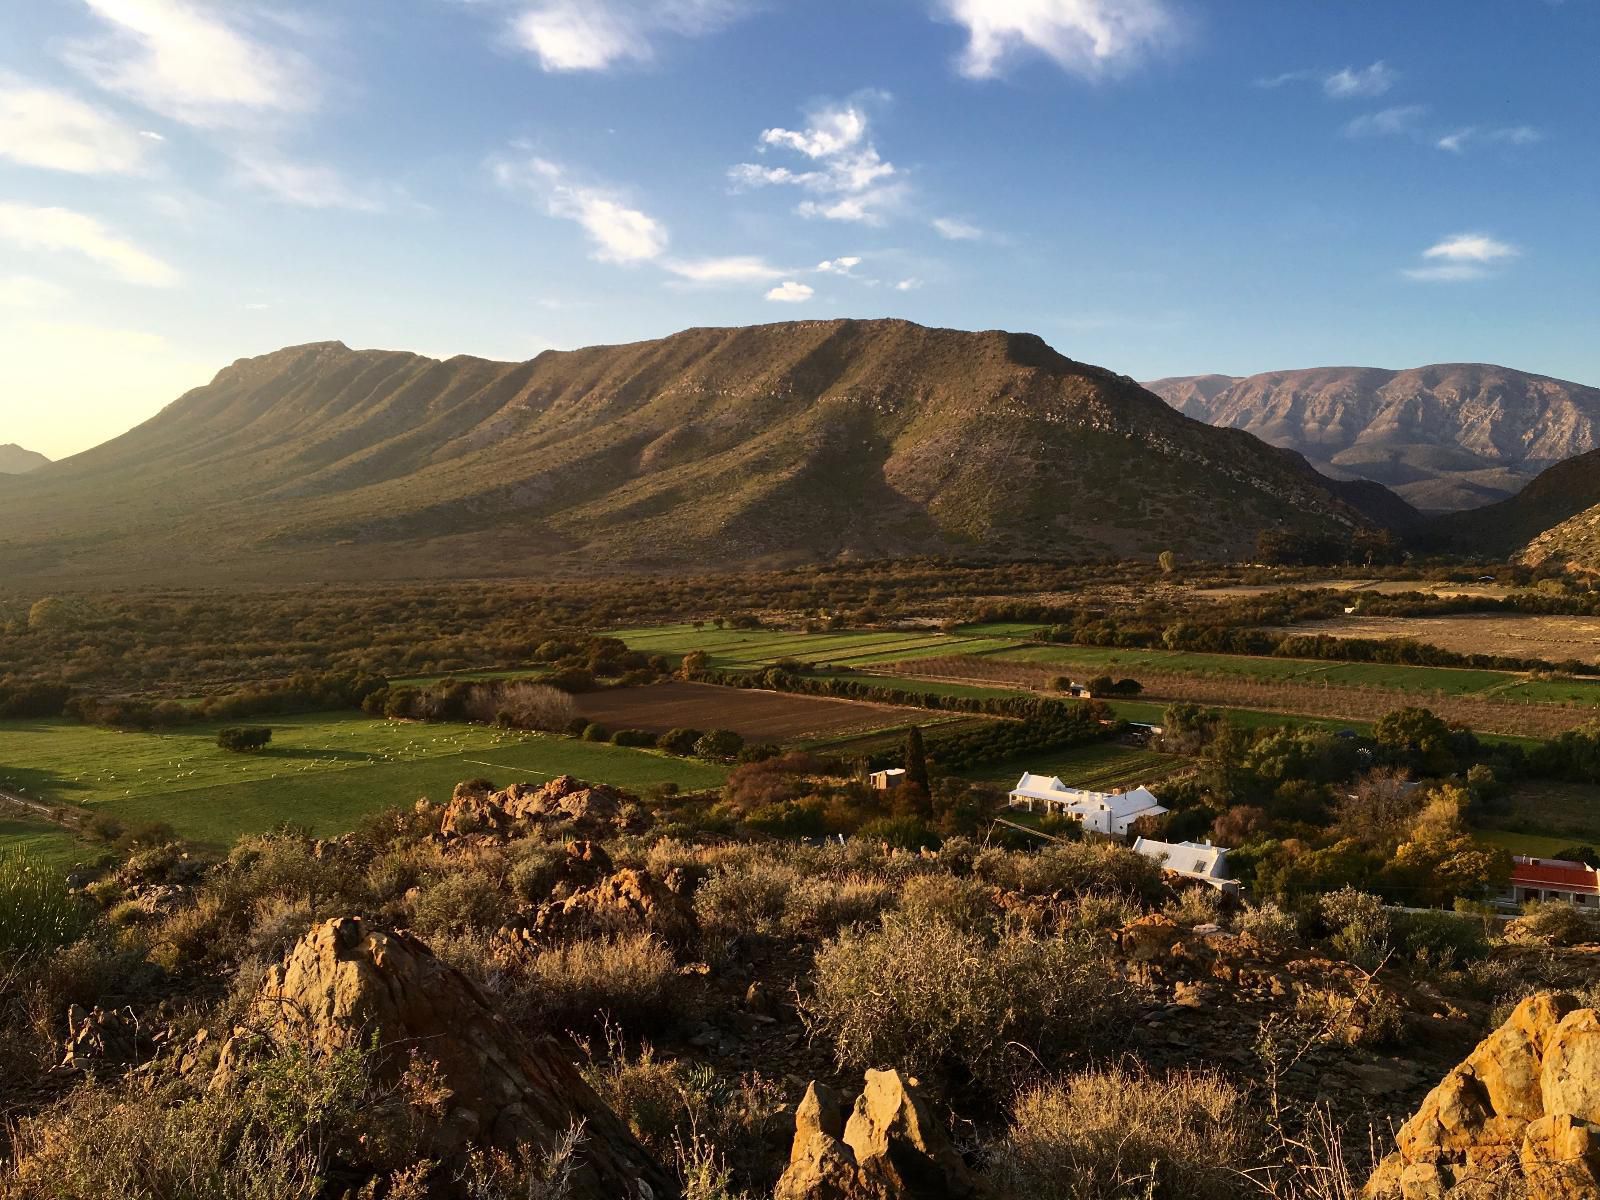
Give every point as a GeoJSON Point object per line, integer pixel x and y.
{"type": "Point", "coordinates": [1444, 436]}
{"type": "Point", "coordinates": [790, 443]}
{"type": "Point", "coordinates": [14, 460]}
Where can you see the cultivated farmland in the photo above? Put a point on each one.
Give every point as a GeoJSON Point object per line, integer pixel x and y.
{"type": "Point", "coordinates": [758, 715]}
{"type": "Point", "coordinates": [1552, 638]}
{"type": "Point", "coordinates": [324, 771]}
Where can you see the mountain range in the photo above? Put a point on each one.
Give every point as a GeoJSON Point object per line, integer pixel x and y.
{"type": "Point", "coordinates": [1444, 437]}
{"type": "Point", "coordinates": [770, 445]}
{"type": "Point", "coordinates": [14, 460]}
{"type": "Point", "coordinates": [1556, 518]}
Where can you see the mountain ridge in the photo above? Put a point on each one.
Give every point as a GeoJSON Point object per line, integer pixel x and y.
{"type": "Point", "coordinates": [18, 460]}
{"type": "Point", "coordinates": [1445, 436]}
{"type": "Point", "coordinates": [761, 445]}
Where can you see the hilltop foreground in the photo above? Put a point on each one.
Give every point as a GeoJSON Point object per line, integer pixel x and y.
{"type": "Point", "coordinates": [776, 444]}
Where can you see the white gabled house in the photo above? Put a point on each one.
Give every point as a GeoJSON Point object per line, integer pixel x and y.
{"type": "Point", "coordinates": [1110, 813]}
{"type": "Point", "coordinates": [1193, 860]}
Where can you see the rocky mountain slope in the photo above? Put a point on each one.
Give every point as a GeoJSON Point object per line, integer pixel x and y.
{"type": "Point", "coordinates": [1445, 437]}
{"type": "Point", "coordinates": [773, 444]}
{"type": "Point", "coordinates": [14, 460]}
{"type": "Point", "coordinates": [1557, 516]}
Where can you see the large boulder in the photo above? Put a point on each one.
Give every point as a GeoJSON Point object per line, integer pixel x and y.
{"type": "Point", "coordinates": [1525, 1101]}
{"type": "Point", "coordinates": [891, 1148]}
{"type": "Point", "coordinates": [347, 985]}
{"type": "Point", "coordinates": [629, 901]}
{"type": "Point", "coordinates": [475, 808]}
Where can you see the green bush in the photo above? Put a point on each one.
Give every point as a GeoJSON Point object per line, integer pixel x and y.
{"type": "Point", "coordinates": [595, 733]}
{"type": "Point", "coordinates": [902, 833]}
{"type": "Point", "coordinates": [718, 744]}
{"type": "Point", "coordinates": [244, 739]}
{"type": "Point", "coordinates": [1440, 939]}
{"type": "Point", "coordinates": [633, 737]}
{"type": "Point", "coordinates": [37, 913]}
{"type": "Point", "coordinates": [679, 741]}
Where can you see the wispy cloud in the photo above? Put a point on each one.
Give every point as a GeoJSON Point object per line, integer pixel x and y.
{"type": "Point", "coordinates": [1398, 121]}
{"type": "Point", "coordinates": [188, 62]}
{"type": "Point", "coordinates": [908, 285]}
{"type": "Point", "coordinates": [1360, 82]}
{"type": "Point", "coordinates": [1513, 135]}
{"type": "Point", "coordinates": [1461, 257]}
{"type": "Point", "coordinates": [839, 266]}
{"type": "Point", "coordinates": [740, 268]}
{"type": "Point", "coordinates": [594, 35]}
{"type": "Point", "coordinates": [46, 127]}
{"type": "Point", "coordinates": [849, 180]}
{"type": "Point", "coordinates": [618, 232]}
{"type": "Point", "coordinates": [956, 231]}
{"type": "Point", "coordinates": [61, 230]}
{"type": "Point", "coordinates": [1091, 38]}
{"type": "Point", "coordinates": [306, 185]}
{"type": "Point", "coordinates": [791, 292]}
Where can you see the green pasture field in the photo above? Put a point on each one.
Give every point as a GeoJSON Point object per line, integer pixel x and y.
{"type": "Point", "coordinates": [1566, 813]}
{"type": "Point", "coordinates": [1551, 691]}
{"type": "Point", "coordinates": [1536, 845]}
{"type": "Point", "coordinates": [1101, 766]}
{"type": "Point", "coordinates": [322, 770]}
{"type": "Point", "coordinates": [922, 687]}
{"type": "Point", "coordinates": [41, 841]}
{"type": "Point", "coordinates": [1453, 681]}
{"type": "Point", "coordinates": [745, 648]}
{"type": "Point", "coordinates": [531, 672]}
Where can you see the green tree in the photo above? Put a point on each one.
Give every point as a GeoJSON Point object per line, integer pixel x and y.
{"type": "Point", "coordinates": [917, 760]}
{"type": "Point", "coordinates": [244, 739]}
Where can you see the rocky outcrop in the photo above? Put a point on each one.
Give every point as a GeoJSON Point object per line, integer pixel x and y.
{"type": "Point", "coordinates": [1525, 1102]}
{"type": "Point", "coordinates": [476, 808]}
{"type": "Point", "coordinates": [891, 1148]}
{"type": "Point", "coordinates": [347, 986]}
{"type": "Point", "coordinates": [629, 901]}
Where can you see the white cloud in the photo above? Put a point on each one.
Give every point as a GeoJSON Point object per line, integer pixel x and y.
{"type": "Point", "coordinates": [908, 285]}
{"type": "Point", "coordinates": [620, 234]}
{"type": "Point", "coordinates": [307, 185]}
{"type": "Point", "coordinates": [732, 269]}
{"type": "Point", "coordinates": [791, 293]}
{"type": "Point", "coordinates": [1470, 247]}
{"type": "Point", "coordinates": [592, 35]}
{"type": "Point", "coordinates": [1514, 135]}
{"type": "Point", "coordinates": [24, 291]}
{"type": "Point", "coordinates": [1086, 37]}
{"type": "Point", "coordinates": [183, 59]}
{"type": "Point", "coordinates": [45, 127]}
{"type": "Point", "coordinates": [1351, 83]}
{"type": "Point", "coordinates": [956, 231]}
{"type": "Point", "coordinates": [839, 266]}
{"type": "Point", "coordinates": [850, 181]}
{"type": "Point", "coordinates": [1389, 122]}
{"type": "Point", "coordinates": [61, 229]}
{"type": "Point", "coordinates": [1461, 257]}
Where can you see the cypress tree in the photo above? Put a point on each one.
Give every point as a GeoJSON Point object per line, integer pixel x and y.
{"type": "Point", "coordinates": [917, 760]}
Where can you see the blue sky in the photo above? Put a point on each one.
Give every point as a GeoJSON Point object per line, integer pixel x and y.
{"type": "Point", "coordinates": [1158, 186]}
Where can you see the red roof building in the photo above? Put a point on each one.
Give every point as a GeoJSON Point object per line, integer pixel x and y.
{"type": "Point", "coordinates": [1554, 879]}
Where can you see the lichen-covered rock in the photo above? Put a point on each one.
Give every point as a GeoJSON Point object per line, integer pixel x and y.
{"type": "Point", "coordinates": [630, 901]}
{"type": "Point", "coordinates": [476, 808]}
{"type": "Point", "coordinates": [891, 1148]}
{"type": "Point", "coordinates": [346, 985]}
{"type": "Point", "coordinates": [1527, 1098]}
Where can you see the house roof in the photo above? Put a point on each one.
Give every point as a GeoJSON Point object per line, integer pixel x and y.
{"type": "Point", "coordinates": [1187, 858]}
{"type": "Point", "coordinates": [1558, 873]}
{"type": "Point", "coordinates": [1118, 804]}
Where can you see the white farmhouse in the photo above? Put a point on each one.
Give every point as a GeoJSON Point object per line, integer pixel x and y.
{"type": "Point", "coordinates": [1110, 813]}
{"type": "Point", "coordinates": [1192, 860]}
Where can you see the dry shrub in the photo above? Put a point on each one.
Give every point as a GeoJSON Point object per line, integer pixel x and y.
{"type": "Point", "coordinates": [1552, 923]}
{"type": "Point", "coordinates": [741, 899]}
{"type": "Point", "coordinates": [1110, 1134]}
{"type": "Point", "coordinates": [1369, 1017]}
{"type": "Point", "coordinates": [1195, 905]}
{"type": "Point", "coordinates": [720, 1129]}
{"type": "Point", "coordinates": [631, 980]}
{"type": "Point", "coordinates": [963, 903]}
{"type": "Point", "coordinates": [1073, 867]}
{"type": "Point", "coordinates": [531, 706]}
{"type": "Point", "coordinates": [461, 902]}
{"type": "Point", "coordinates": [1275, 930]}
{"type": "Point", "coordinates": [825, 905]}
{"type": "Point", "coordinates": [935, 1000]}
